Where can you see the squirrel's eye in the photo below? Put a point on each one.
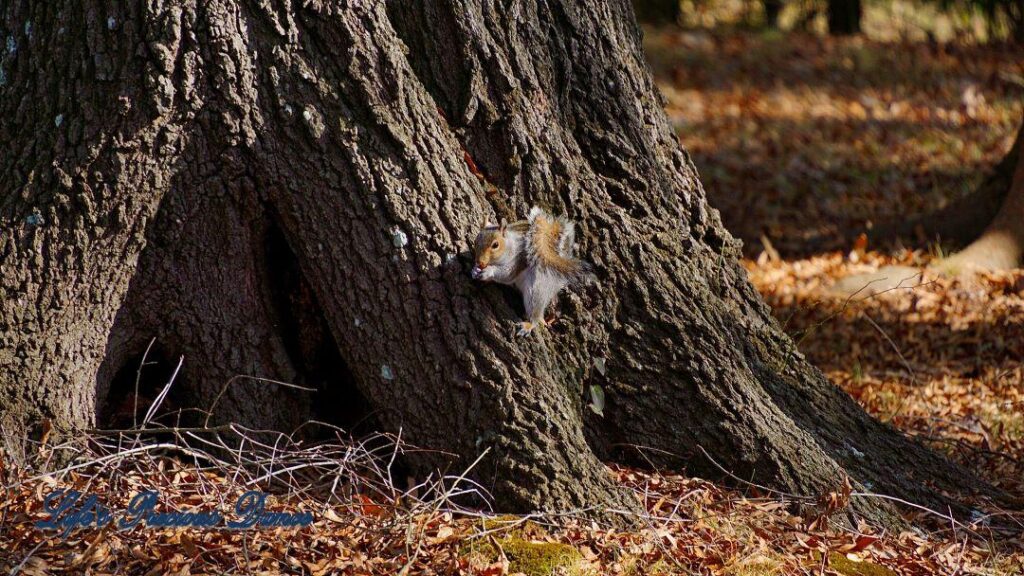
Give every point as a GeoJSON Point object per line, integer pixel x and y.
{"type": "Point", "coordinates": [494, 246]}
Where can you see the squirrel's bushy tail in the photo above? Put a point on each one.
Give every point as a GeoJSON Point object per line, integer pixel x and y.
{"type": "Point", "coordinates": [552, 244]}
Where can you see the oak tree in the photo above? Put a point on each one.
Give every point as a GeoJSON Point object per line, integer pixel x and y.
{"type": "Point", "coordinates": [287, 191]}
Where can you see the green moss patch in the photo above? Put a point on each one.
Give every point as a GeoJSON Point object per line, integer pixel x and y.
{"type": "Point", "coordinates": [847, 567]}
{"type": "Point", "coordinates": [759, 567]}
{"type": "Point", "coordinates": [530, 558]}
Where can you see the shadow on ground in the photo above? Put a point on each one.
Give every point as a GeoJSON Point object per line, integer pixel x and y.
{"type": "Point", "coordinates": [941, 361]}
{"type": "Point", "coordinates": [808, 140]}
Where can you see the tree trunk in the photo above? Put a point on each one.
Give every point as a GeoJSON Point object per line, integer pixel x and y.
{"type": "Point", "coordinates": [289, 193]}
{"type": "Point", "coordinates": [844, 17]}
{"type": "Point", "coordinates": [657, 11]}
{"type": "Point", "coordinates": [987, 222]}
{"type": "Point", "coordinates": [1000, 245]}
{"type": "Point", "coordinates": [772, 9]}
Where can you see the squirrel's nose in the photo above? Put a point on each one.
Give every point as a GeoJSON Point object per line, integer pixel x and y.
{"type": "Point", "coordinates": [477, 271]}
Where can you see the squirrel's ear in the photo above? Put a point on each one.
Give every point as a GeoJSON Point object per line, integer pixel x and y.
{"type": "Point", "coordinates": [504, 224]}
{"type": "Point", "coordinates": [488, 223]}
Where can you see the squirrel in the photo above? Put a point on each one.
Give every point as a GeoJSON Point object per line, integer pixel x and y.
{"type": "Point", "coordinates": [534, 255]}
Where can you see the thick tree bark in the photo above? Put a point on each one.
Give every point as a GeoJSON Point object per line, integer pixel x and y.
{"type": "Point", "coordinates": [89, 137]}
{"type": "Point", "coordinates": [367, 145]}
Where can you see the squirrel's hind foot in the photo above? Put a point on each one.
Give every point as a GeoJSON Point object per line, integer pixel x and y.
{"type": "Point", "coordinates": [528, 327]}
{"type": "Point", "coordinates": [525, 328]}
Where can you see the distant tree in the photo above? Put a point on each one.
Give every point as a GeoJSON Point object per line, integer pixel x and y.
{"type": "Point", "coordinates": [1000, 244]}
{"type": "Point", "coordinates": [989, 221]}
{"type": "Point", "coordinates": [844, 17]}
{"type": "Point", "coordinates": [657, 11]}
{"type": "Point", "coordinates": [772, 8]}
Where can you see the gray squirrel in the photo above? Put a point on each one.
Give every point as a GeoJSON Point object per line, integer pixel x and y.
{"type": "Point", "coordinates": [534, 255]}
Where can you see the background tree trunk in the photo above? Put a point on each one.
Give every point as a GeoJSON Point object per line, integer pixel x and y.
{"type": "Point", "coordinates": [772, 9]}
{"type": "Point", "coordinates": [305, 182]}
{"type": "Point", "coordinates": [989, 215]}
{"type": "Point", "coordinates": [657, 11]}
{"type": "Point", "coordinates": [844, 17]}
{"type": "Point", "coordinates": [1001, 244]}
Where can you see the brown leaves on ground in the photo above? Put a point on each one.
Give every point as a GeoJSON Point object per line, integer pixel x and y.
{"type": "Point", "coordinates": [806, 139]}
{"type": "Point", "coordinates": [941, 359]}
{"type": "Point", "coordinates": [692, 527]}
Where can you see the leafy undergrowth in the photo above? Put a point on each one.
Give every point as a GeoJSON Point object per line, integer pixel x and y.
{"type": "Point", "coordinates": [807, 139]}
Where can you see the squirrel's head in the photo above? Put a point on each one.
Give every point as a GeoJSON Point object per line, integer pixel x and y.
{"type": "Point", "coordinates": [488, 250]}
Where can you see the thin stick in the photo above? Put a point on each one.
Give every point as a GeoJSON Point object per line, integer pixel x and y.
{"type": "Point", "coordinates": [163, 394]}
{"type": "Point", "coordinates": [231, 380]}
{"type": "Point", "coordinates": [138, 379]}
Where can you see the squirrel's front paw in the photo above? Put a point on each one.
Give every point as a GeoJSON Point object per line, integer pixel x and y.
{"type": "Point", "coordinates": [525, 328]}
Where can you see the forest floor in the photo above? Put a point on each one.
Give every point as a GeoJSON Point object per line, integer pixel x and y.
{"type": "Point", "coordinates": [803, 142]}
{"type": "Point", "coordinates": [800, 140]}
{"type": "Point", "coordinates": [809, 140]}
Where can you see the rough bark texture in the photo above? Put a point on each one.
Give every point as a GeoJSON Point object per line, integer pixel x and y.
{"type": "Point", "coordinates": [230, 138]}
{"type": "Point", "coordinates": [90, 135]}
